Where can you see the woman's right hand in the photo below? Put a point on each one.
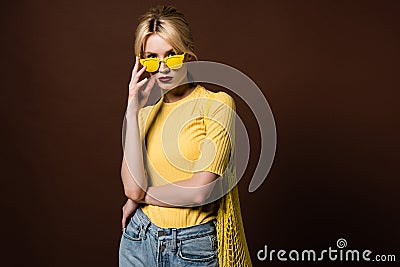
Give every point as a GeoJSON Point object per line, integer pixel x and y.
{"type": "Point", "coordinates": [127, 210]}
{"type": "Point", "coordinates": [138, 96]}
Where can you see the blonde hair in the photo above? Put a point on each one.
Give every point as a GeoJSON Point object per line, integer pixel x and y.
{"type": "Point", "coordinates": [169, 24]}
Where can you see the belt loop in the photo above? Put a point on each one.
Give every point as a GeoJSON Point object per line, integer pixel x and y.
{"type": "Point", "coordinates": [144, 227]}
{"type": "Point", "coordinates": [173, 240]}
{"type": "Point", "coordinates": [144, 222]}
{"type": "Point", "coordinates": [215, 223]}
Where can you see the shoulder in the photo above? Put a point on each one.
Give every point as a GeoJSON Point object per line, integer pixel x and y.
{"type": "Point", "coordinates": [219, 97]}
{"type": "Point", "coordinates": [225, 99]}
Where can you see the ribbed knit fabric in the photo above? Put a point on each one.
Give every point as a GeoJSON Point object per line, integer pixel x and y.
{"type": "Point", "coordinates": [194, 134]}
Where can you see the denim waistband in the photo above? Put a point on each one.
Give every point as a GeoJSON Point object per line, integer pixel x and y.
{"type": "Point", "coordinates": [174, 233]}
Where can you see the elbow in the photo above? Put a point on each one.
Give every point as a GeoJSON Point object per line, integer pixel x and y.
{"type": "Point", "coordinates": [135, 195]}
{"type": "Point", "coordinates": [200, 198]}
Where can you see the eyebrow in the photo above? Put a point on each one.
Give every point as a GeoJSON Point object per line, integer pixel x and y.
{"type": "Point", "coordinates": [152, 53]}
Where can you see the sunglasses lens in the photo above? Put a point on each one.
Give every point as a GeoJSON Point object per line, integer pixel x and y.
{"type": "Point", "coordinates": [174, 62]}
{"type": "Point", "coordinates": [151, 64]}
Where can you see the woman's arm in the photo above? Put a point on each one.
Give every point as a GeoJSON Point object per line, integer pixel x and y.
{"type": "Point", "coordinates": [132, 174]}
{"type": "Point", "coordinates": [132, 169]}
{"type": "Point", "coordinates": [190, 192]}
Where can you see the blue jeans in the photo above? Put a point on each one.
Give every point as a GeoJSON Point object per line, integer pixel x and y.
{"type": "Point", "coordinates": [144, 244]}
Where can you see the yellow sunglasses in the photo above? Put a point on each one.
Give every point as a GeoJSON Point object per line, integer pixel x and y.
{"type": "Point", "coordinates": [153, 63]}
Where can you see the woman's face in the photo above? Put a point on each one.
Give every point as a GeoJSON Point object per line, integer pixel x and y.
{"type": "Point", "coordinates": [167, 78]}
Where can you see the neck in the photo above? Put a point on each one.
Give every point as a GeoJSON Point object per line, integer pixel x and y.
{"type": "Point", "coordinates": [178, 93]}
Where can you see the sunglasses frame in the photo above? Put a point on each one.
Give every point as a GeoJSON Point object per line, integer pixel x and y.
{"type": "Point", "coordinates": [165, 60]}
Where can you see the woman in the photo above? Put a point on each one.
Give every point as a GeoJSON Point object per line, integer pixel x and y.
{"type": "Point", "coordinates": [178, 158]}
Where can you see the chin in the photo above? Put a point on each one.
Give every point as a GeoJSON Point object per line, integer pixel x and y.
{"type": "Point", "coordinates": [166, 86]}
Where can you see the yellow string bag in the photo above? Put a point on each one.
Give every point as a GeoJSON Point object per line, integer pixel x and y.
{"type": "Point", "coordinates": [232, 245]}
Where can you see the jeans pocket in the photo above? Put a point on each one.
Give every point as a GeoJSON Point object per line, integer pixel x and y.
{"type": "Point", "coordinates": [199, 249]}
{"type": "Point", "coordinates": [132, 230]}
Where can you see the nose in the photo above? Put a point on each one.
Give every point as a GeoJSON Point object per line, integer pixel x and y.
{"type": "Point", "coordinates": [163, 67]}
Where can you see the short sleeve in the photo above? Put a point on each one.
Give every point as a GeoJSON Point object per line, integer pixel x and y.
{"type": "Point", "coordinates": [219, 140]}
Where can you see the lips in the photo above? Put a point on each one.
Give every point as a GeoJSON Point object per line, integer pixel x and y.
{"type": "Point", "coordinates": [165, 79]}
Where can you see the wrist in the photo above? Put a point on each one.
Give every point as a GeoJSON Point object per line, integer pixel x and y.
{"type": "Point", "coordinates": [131, 114]}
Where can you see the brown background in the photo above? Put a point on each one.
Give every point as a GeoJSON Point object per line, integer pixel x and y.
{"type": "Point", "coordinates": [329, 70]}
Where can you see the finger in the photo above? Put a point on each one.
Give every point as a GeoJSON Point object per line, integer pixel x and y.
{"type": "Point", "coordinates": [142, 82]}
{"type": "Point", "coordinates": [136, 67]}
{"type": "Point", "coordinates": [123, 216]}
{"type": "Point", "coordinates": [149, 86]}
{"type": "Point", "coordinates": [134, 85]}
{"type": "Point", "coordinates": [123, 221]}
{"type": "Point", "coordinates": [139, 73]}
{"type": "Point", "coordinates": [135, 79]}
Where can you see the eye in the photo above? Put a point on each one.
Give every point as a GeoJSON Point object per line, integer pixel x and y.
{"type": "Point", "coordinates": [171, 53]}
{"type": "Point", "coordinates": [151, 56]}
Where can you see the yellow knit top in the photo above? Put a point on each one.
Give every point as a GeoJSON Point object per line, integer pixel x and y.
{"type": "Point", "coordinates": [190, 135]}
